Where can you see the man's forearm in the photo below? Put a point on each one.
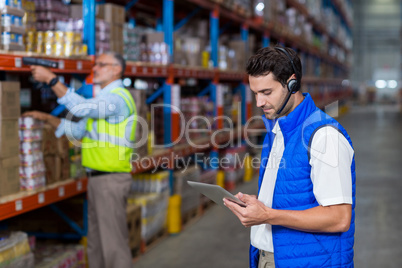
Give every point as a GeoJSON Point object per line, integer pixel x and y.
{"type": "Point", "coordinates": [53, 121]}
{"type": "Point", "coordinates": [329, 219]}
{"type": "Point", "coordinates": [59, 89]}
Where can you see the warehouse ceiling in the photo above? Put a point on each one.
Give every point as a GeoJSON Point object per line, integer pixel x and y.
{"type": "Point", "coordinates": [377, 37]}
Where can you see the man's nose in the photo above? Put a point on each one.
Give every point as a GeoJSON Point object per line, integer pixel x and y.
{"type": "Point", "coordinates": [260, 101]}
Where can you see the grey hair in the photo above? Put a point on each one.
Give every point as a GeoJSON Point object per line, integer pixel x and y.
{"type": "Point", "coordinates": [120, 60]}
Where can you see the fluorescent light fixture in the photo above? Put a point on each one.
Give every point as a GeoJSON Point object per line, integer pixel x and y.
{"type": "Point", "coordinates": [380, 83]}
{"type": "Point", "coordinates": [392, 83]}
{"type": "Point", "coordinates": [127, 82]}
{"type": "Point", "coordinates": [260, 7]}
{"type": "Point", "coordinates": [345, 83]}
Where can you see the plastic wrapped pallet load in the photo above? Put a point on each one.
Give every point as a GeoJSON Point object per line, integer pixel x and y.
{"type": "Point", "coordinates": [190, 199]}
{"type": "Point", "coordinates": [153, 212]}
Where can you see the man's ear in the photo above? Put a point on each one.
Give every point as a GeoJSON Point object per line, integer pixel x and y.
{"type": "Point", "coordinates": [118, 71]}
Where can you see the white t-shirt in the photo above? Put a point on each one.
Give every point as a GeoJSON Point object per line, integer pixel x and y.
{"type": "Point", "coordinates": [331, 159]}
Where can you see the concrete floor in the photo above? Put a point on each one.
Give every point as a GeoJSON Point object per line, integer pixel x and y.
{"type": "Point", "coordinates": [217, 239]}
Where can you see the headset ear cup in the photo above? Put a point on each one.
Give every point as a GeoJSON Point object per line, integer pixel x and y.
{"type": "Point", "coordinates": [292, 85]}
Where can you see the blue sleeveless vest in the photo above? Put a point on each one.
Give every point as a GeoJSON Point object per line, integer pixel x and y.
{"type": "Point", "coordinates": [294, 191]}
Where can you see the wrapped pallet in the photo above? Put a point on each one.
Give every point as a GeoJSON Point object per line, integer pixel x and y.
{"type": "Point", "coordinates": [190, 199]}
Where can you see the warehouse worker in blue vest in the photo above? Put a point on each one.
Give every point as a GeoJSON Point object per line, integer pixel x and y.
{"type": "Point", "coordinates": [304, 213]}
{"type": "Point", "coordinates": [107, 131]}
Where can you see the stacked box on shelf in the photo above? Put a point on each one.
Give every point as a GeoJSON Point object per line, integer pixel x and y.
{"type": "Point", "coordinates": [157, 182]}
{"type": "Point", "coordinates": [102, 28]}
{"type": "Point", "coordinates": [141, 132]}
{"type": "Point", "coordinates": [153, 212]}
{"type": "Point", "coordinates": [9, 142]}
{"type": "Point", "coordinates": [145, 45]}
{"type": "Point", "coordinates": [76, 168]}
{"type": "Point", "coordinates": [155, 48]}
{"type": "Point", "coordinates": [237, 62]}
{"type": "Point", "coordinates": [192, 108]}
{"type": "Point", "coordinates": [275, 12]}
{"type": "Point", "coordinates": [15, 251]}
{"type": "Point", "coordinates": [190, 199]}
{"type": "Point", "coordinates": [243, 7]}
{"type": "Point", "coordinates": [56, 155]}
{"type": "Point", "coordinates": [32, 168]}
{"type": "Point", "coordinates": [48, 12]}
{"type": "Point", "coordinates": [231, 106]}
{"type": "Point", "coordinates": [12, 27]}
{"type": "Point", "coordinates": [233, 165]}
{"type": "Point", "coordinates": [191, 44]}
{"type": "Point", "coordinates": [295, 22]}
{"type": "Point", "coordinates": [134, 226]}
{"type": "Point", "coordinates": [132, 41]}
{"type": "Point", "coordinates": [115, 16]}
{"type": "Point", "coordinates": [29, 20]}
{"type": "Point", "coordinates": [57, 43]}
{"type": "Point", "coordinates": [60, 256]}
{"type": "Point", "coordinates": [207, 176]}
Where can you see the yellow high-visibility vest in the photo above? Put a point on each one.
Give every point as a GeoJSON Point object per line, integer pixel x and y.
{"type": "Point", "coordinates": [108, 147]}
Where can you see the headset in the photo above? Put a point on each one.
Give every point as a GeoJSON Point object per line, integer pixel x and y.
{"type": "Point", "coordinates": [293, 84]}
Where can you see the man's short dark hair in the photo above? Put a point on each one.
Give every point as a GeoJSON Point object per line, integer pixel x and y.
{"type": "Point", "coordinates": [270, 60]}
{"type": "Point", "coordinates": [120, 60]}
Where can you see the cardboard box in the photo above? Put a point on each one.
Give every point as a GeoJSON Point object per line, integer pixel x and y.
{"type": "Point", "coordinates": [10, 107]}
{"type": "Point", "coordinates": [9, 175]}
{"type": "Point", "coordinates": [192, 50]}
{"type": "Point", "coordinates": [155, 37]}
{"type": "Point", "coordinates": [141, 133]}
{"type": "Point", "coordinates": [117, 47]}
{"type": "Point", "coordinates": [9, 139]}
{"type": "Point", "coordinates": [75, 11]}
{"type": "Point", "coordinates": [57, 169]}
{"type": "Point", "coordinates": [116, 33]}
{"type": "Point", "coordinates": [114, 14]}
{"type": "Point", "coordinates": [239, 59]}
{"type": "Point", "coordinates": [52, 145]}
{"type": "Point", "coordinates": [134, 226]}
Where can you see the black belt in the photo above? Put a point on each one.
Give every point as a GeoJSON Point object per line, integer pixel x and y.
{"type": "Point", "coordinates": [92, 173]}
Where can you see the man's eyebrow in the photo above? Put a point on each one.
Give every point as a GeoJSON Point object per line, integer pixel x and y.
{"type": "Point", "coordinates": [265, 89]}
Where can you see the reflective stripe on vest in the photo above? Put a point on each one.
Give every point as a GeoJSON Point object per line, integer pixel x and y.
{"type": "Point", "coordinates": [107, 146]}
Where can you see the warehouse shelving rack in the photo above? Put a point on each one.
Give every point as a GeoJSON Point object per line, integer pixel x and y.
{"type": "Point", "coordinates": [11, 206]}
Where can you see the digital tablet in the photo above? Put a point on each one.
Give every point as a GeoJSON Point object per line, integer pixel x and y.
{"type": "Point", "coordinates": [215, 193]}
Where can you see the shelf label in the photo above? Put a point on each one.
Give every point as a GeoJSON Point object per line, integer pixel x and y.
{"type": "Point", "coordinates": [248, 94]}
{"type": "Point", "coordinates": [61, 64]}
{"type": "Point", "coordinates": [155, 71]}
{"type": "Point", "coordinates": [175, 89]}
{"type": "Point", "coordinates": [79, 186]}
{"type": "Point", "coordinates": [18, 205]}
{"type": "Point", "coordinates": [145, 70]}
{"type": "Point", "coordinates": [18, 62]}
{"type": "Point", "coordinates": [219, 96]}
{"type": "Point", "coordinates": [133, 69]}
{"type": "Point", "coordinates": [61, 191]}
{"type": "Point", "coordinates": [79, 65]}
{"type": "Point", "coordinates": [41, 198]}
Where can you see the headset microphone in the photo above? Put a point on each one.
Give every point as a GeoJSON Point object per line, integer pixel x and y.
{"type": "Point", "coordinates": [293, 84]}
{"type": "Point", "coordinates": [285, 101]}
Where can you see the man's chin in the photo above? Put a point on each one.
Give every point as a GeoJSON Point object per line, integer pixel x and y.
{"type": "Point", "coordinates": [270, 116]}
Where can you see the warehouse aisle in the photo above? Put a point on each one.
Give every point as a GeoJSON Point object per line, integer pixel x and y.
{"type": "Point", "coordinates": [376, 133]}
{"type": "Point", "coordinates": [219, 240]}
